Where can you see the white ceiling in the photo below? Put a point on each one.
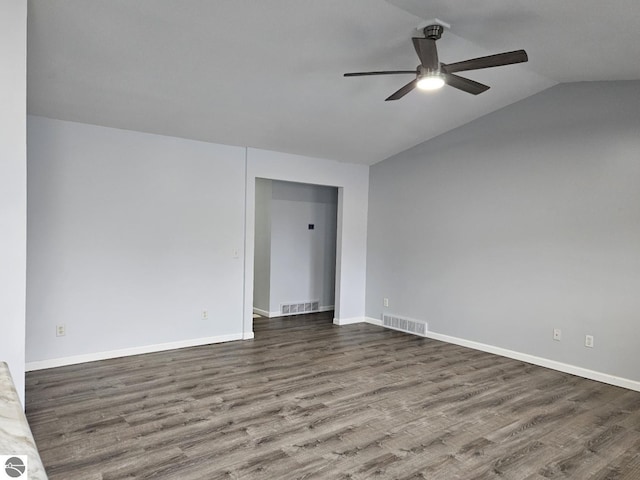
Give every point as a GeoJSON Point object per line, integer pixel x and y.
{"type": "Point", "coordinates": [268, 74]}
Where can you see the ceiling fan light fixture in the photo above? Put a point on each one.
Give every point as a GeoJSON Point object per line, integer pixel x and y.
{"type": "Point", "coordinates": [431, 74]}
{"type": "Point", "coordinates": [430, 82]}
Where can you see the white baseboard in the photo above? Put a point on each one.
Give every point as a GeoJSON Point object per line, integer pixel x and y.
{"type": "Point", "coordinates": [352, 320]}
{"type": "Point", "coordinates": [540, 361]}
{"type": "Point", "coordinates": [373, 321]}
{"type": "Point", "coordinates": [525, 357]}
{"type": "Point", "coordinates": [348, 321]}
{"type": "Point", "coordinates": [262, 313]}
{"type": "Point", "coordinates": [126, 352]}
{"type": "Point", "coordinates": [326, 308]}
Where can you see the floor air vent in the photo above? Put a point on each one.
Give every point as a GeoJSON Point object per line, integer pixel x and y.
{"type": "Point", "coordinates": [302, 307]}
{"type": "Point", "coordinates": [405, 325]}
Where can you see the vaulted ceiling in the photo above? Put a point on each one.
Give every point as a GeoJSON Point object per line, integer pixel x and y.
{"type": "Point", "coordinates": [268, 74]}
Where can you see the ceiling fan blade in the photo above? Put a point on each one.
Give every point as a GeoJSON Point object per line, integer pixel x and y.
{"type": "Point", "coordinates": [464, 84]}
{"type": "Point", "coordinates": [427, 53]}
{"type": "Point", "coordinates": [389, 72]}
{"type": "Point", "coordinates": [403, 91]}
{"type": "Point", "coordinates": [497, 60]}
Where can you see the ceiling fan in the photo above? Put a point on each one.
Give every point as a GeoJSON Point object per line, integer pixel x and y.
{"type": "Point", "coordinates": [431, 74]}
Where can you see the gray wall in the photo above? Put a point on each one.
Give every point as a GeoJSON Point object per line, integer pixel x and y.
{"type": "Point", "coordinates": [131, 237]}
{"type": "Point", "coordinates": [13, 186]}
{"type": "Point", "coordinates": [301, 261]}
{"type": "Point", "coordinates": [262, 253]}
{"type": "Point", "coordinates": [524, 220]}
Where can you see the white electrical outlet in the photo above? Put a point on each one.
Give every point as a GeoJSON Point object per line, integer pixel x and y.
{"type": "Point", "coordinates": [205, 314]}
{"type": "Point", "coordinates": [385, 302]}
{"type": "Point", "coordinates": [61, 330]}
{"type": "Point", "coordinates": [588, 341]}
{"type": "Point", "coordinates": [557, 334]}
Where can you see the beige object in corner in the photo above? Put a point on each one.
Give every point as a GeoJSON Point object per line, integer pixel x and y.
{"type": "Point", "coordinates": [15, 434]}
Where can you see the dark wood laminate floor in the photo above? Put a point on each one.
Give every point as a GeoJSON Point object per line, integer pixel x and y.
{"type": "Point", "coordinates": [310, 400]}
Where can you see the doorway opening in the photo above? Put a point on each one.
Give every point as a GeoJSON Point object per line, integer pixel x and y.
{"type": "Point", "coordinates": [295, 242]}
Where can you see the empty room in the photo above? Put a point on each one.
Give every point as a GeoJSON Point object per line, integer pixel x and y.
{"type": "Point", "coordinates": [394, 239]}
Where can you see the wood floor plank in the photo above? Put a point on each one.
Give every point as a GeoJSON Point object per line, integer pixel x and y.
{"type": "Point", "coordinates": [309, 400]}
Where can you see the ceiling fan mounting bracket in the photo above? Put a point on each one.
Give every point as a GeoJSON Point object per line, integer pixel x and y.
{"type": "Point", "coordinates": [433, 21]}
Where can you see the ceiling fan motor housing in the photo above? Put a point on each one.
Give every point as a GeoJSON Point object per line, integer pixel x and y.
{"type": "Point", "coordinates": [433, 32]}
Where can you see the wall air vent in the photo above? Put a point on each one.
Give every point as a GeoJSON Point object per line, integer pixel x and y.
{"type": "Point", "coordinates": [309, 306]}
{"type": "Point", "coordinates": [406, 325]}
